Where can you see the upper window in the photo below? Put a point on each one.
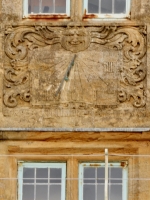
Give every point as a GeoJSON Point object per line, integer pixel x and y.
{"type": "Point", "coordinates": [92, 181]}
{"type": "Point", "coordinates": [107, 8]}
{"type": "Point", "coordinates": [46, 7]}
{"type": "Point", "coordinates": [41, 181]}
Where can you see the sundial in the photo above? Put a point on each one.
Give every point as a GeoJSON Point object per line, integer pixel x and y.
{"type": "Point", "coordinates": [88, 77]}
{"type": "Point", "coordinates": [85, 68]}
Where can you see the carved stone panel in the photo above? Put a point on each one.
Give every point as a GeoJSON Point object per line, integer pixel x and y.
{"type": "Point", "coordinates": [74, 66]}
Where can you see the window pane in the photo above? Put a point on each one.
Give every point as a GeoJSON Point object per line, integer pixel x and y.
{"type": "Point", "coordinates": [93, 6]}
{"type": "Point", "coordinates": [116, 192]}
{"type": "Point", "coordinates": [120, 6]}
{"type": "Point", "coordinates": [89, 192]}
{"type": "Point", "coordinates": [33, 6]}
{"type": "Point", "coordinates": [42, 173]}
{"type": "Point", "coordinates": [41, 192]}
{"type": "Point", "coordinates": [101, 174]}
{"type": "Point", "coordinates": [55, 192]}
{"type": "Point", "coordinates": [60, 6]}
{"type": "Point", "coordinates": [100, 192]}
{"type": "Point", "coordinates": [55, 174]}
{"type": "Point", "coordinates": [89, 173]}
{"type": "Point", "coordinates": [106, 6]}
{"type": "Point", "coordinates": [28, 173]}
{"type": "Point", "coordinates": [47, 6]}
{"type": "Point", "coordinates": [116, 173]}
{"type": "Point", "coordinates": [28, 192]}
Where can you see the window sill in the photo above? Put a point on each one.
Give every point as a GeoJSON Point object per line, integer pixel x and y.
{"type": "Point", "coordinates": [106, 17]}
{"type": "Point", "coordinates": [46, 16]}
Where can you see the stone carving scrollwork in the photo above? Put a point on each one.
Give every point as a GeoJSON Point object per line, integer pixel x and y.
{"type": "Point", "coordinates": [20, 41]}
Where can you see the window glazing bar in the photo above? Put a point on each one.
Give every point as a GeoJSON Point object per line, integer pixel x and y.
{"type": "Point", "coordinates": [53, 6]}
{"type": "Point", "coordinates": [40, 6]}
{"type": "Point", "coordinates": [106, 174]}
{"type": "Point", "coordinates": [113, 6]}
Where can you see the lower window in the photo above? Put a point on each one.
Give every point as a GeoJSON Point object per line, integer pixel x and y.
{"type": "Point", "coordinates": [92, 181]}
{"type": "Point", "coordinates": [47, 181]}
{"type": "Point", "coordinates": [41, 181]}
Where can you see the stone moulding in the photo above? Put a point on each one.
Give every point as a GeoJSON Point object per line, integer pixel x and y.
{"type": "Point", "coordinates": [21, 40]}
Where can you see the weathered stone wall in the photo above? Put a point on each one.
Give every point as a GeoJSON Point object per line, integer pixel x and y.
{"type": "Point", "coordinates": [112, 65]}
{"type": "Point", "coordinates": [74, 148]}
{"type": "Point", "coordinates": [108, 82]}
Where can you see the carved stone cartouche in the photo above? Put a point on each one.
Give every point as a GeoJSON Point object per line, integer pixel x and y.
{"type": "Point", "coordinates": [22, 40]}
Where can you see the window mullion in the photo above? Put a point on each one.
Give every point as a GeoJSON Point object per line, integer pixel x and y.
{"type": "Point", "coordinates": [99, 6]}
{"type": "Point", "coordinates": [96, 184]}
{"type": "Point", "coordinates": [106, 174]}
{"type": "Point", "coordinates": [48, 183]}
{"type": "Point", "coordinates": [109, 185]}
{"type": "Point", "coordinates": [40, 6]}
{"type": "Point", "coordinates": [53, 6]}
{"type": "Point", "coordinates": [113, 6]}
{"type": "Point", "coordinates": [34, 183]}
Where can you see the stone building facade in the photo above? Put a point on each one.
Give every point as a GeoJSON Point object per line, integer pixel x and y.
{"type": "Point", "coordinates": [73, 84]}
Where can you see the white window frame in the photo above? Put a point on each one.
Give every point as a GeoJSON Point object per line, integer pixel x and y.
{"type": "Point", "coordinates": [26, 14]}
{"type": "Point", "coordinates": [22, 164]}
{"type": "Point", "coordinates": [102, 164]}
{"type": "Point", "coordinates": [109, 15]}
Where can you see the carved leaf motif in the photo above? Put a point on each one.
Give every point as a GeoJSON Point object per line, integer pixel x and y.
{"type": "Point", "coordinates": [139, 97]}
{"type": "Point", "coordinates": [10, 97]}
{"type": "Point", "coordinates": [19, 41]}
{"type": "Point", "coordinates": [16, 78]}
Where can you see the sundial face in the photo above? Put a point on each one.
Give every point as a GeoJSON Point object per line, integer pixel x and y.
{"type": "Point", "coordinates": [93, 78]}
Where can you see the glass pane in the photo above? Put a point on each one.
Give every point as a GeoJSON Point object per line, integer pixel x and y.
{"type": "Point", "coordinates": [60, 6]}
{"type": "Point", "coordinates": [101, 175]}
{"type": "Point", "coordinates": [89, 192]}
{"type": "Point", "coordinates": [120, 6]}
{"type": "Point", "coordinates": [41, 192]}
{"type": "Point", "coordinates": [116, 173]}
{"type": "Point", "coordinates": [42, 173]}
{"type": "Point", "coordinates": [28, 192]}
{"type": "Point", "coordinates": [116, 192]}
{"type": "Point", "coordinates": [100, 192]}
{"type": "Point", "coordinates": [89, 173]}
{"type": "Point", "coordinates": [47, 6]}
{"type": "Point", "coordinates": [55, 192]}
{"type": "Point", "coordinates": [33, 6]}
{"type": "Point", "coordinates": [55, 174]}
{"type": "Point", "coordinates": [106, 6]}
{"type": "Point", "coordinates": [28, 173]}
{"type": "Point", "coordinates": [93, 6]}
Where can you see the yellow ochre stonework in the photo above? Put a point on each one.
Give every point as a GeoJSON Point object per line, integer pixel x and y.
{"type": "Point", "coordinates": [74, 72]}
{"type": "Point", "coordinates": [71, 87]}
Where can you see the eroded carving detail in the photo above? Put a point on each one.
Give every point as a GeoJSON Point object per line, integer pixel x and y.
{"type": "Point", "coordinates": [22, 40]}
{"type": "Point", "coordinates": [76, 39]}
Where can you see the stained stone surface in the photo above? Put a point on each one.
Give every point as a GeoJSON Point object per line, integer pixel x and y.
{"type": "Point", "coordinates": [73, 72]}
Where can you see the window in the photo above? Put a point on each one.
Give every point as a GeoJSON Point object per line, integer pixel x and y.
{"type": "Point", "coordinates": [107, 8]}
{"type": "Point", "coordinates": [47, 181]}
{"type": "Point", "coordinates": [92, 181]}
{"type": "Point", "coordinates": [41, 181]}
{"type": "Point", "coordinates": [46, 7]}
